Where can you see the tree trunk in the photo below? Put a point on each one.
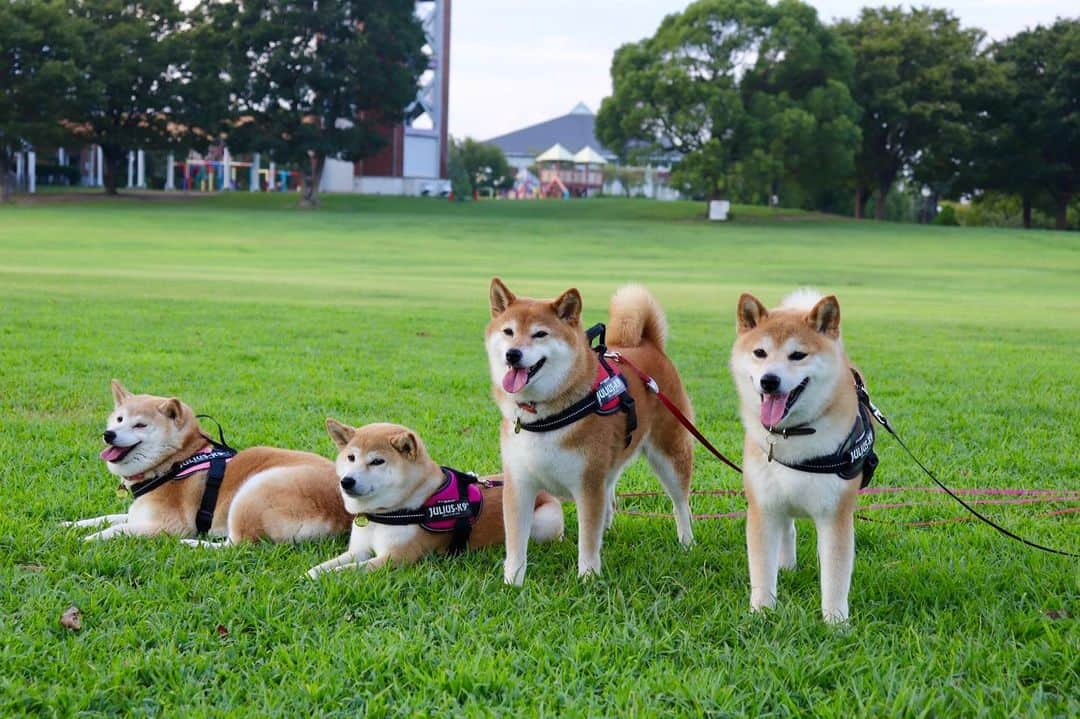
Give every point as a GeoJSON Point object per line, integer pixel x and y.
{"type": "Point", "coordinates": [1062, 221]}
{"type": "Point", "coordinates": [312, 180]}
{"type": "Point", "coordinates": [861, 194]}
{"type": "Point", "coordinates": [5, 177]}
{"type": "Point", "coordinates": [111, 166]}
{"type": "Point", "coordinates": [1027, 212]}
{"type": "Point", "coordinates": [879, 208]}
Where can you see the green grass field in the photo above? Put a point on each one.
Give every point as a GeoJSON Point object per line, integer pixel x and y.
{"type": "Point", "coordinates": [271, 319]}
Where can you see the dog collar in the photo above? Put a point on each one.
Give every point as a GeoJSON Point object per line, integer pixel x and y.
{"type": "Point", "coordinates": [454, 507]}
{"type": "Point", "coordinates": [609, 394]}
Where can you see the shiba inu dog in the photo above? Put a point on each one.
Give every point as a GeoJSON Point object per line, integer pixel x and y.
{"type": "Point", "coordinates": [161, 454]}
{"type": "Point", "coordinates": [407, 506]}
{"type": "Point", "coordinates": [571, 423]}
{"type": "Point", "coordinates": [809, 441]}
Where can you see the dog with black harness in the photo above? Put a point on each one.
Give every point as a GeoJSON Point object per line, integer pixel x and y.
{"type": "Point", "coordinates": [184, 483]}
{"type": "Point", "coordinates": [408, 507]}
{"type": "Point", "coordinates": [572, 420]}
{"type": "Point", "coordinates": [809, 441]}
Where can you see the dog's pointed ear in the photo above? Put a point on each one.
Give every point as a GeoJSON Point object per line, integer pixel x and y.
{"type": "Point", "coordinates": [173, 409]}
{"type": "Point", "coordinates": [407, 444]}
{"type": "Point", "coordinates": [825, 317]}
{"type": "Point", "coordinates": [568, 306]}
{"type": "Point", "coordinates": [340, 433]}
{"type": "Point", "coordinates": [119, 393]}
{"type": "Point", "coordinates": [749, 314]}
{"type": "Point", "coordinates": [501, 297]}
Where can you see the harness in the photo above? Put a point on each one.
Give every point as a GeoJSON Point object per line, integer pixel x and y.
{"type": "Point", "coordinates": [212, 458]}
{"type": "Point", "coordinates": [854, 455]}
{"type": "Point", "coordinates": [454, 507]}
{"type": "Point", "coordinates": [609, 394]}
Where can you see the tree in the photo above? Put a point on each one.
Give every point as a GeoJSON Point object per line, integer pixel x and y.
{"type": "Point", "coordinates": [132, 78]}
{"type": "Point", "coordinates": [913, 71]}
{"type": "Point", "coordinates": [1032, 145]}
{"type": "Point", "coordinates": [315, 79]}
{"type": "Point", "coordinates": [752, 96]}
{"type": "Point", "coordinates": [485, 164]}
{"type": "Point", "coordinates": [37, 76]}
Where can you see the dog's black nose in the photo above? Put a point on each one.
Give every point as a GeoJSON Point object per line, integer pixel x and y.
{"type": "Point", "coordinates": [109, 436]}
{"type": "Point", "coordinates": [770, 383]}
{"type": "Point", "coordinates": [513, 356]}
{"type": "Point", "coordinates": [348, 482]}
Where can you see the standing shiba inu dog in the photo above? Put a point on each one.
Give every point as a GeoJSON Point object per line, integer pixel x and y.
{"type": "Point", "coordinates": [409, 507]}
{"type": "Point", "coordinates": [808, 441]}
{"type": "Point", "coordinates": [570, 424]}
{"type": "Point", "coordinates": [162, 455]}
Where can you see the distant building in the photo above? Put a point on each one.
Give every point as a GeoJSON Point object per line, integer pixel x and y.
{"type": "Point", "coordinates": [574, 131]}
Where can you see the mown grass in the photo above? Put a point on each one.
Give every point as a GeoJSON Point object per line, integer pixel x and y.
{"type": "Point", "coordinates": [370, 309]}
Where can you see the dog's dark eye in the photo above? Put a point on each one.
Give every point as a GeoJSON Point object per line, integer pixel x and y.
{"type": "Point", "coordinates": [796, 356]}
{"type": "Point", "coordinates": [119, 419]}
{"type": "Point", "coordinates": [139, 425]}
{"type": "Point", "coordinates": [376, 462]}
{"type": "Point", "coordinates": [508, 332]}
{"type": "Point", "coordinates": [352, 457]}
{"type": "Point", "coordinates": [760, 353]}
{"type": "Point", "coordinates": [538, 335]}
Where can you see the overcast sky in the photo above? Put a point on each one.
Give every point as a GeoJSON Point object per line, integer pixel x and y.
{"type": "Point", "coordinates": [518, 62]}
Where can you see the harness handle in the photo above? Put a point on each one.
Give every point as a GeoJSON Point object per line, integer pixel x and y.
{"type": "Point", "coordinates": [221, 432]}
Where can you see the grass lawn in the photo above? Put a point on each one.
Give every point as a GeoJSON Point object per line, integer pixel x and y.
{"type": "Point", "coordinates": [271, 319]}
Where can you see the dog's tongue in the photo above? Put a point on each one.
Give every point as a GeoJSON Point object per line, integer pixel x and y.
{"type": "Point", "coordinates": [515, 378]}
{"type": "Point", "coordinates": [772, 409]}
{"type": "Point", "coordinates": [111, 453]}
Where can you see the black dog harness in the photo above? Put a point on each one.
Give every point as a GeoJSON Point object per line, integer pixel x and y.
{"type": "Point", "coordinates": [609, 394]}
{"type": "Point", "coordinates": [854, 455]}
{"type": "Point", "coordinates": [454, 507]}
{"type": "Point", "coordinates": [211, 459]}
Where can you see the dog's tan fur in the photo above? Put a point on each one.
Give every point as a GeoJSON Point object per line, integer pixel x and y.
{"type": "Point", "coordinates": [777, 494]}
{"type": "Point", "coordinates": [404, 479]}
{"type": "Point", "coordinates": [585, 459]}
{"type": "Point", "coordinates": [267, 493]}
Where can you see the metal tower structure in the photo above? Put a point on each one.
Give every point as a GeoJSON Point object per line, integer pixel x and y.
{"type": "Point", "coordinates": [426, 133]}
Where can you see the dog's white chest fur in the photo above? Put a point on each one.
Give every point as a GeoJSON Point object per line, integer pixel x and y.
{"type": "Point", "coordinates": [379, 539]}
{"type": "Point", "coordinates": [781, 489]}
{"type": "Point", "coordinates": [540, 460]}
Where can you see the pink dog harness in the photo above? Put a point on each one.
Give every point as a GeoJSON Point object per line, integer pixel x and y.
{"type": "Point", "coordinates": [454, 507]}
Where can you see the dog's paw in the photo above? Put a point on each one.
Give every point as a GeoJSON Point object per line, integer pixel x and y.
{"type": "Point", "coordinates": [312, 573]}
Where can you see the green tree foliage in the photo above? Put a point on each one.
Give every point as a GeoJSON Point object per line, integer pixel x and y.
{"type": "Point", "coordinates": [132, 78]}
{"type": "Point", "coordinates": [752, 96]}
{"type": "Point", "coordinates": [317, 79]}
{"type": "Point", "coordinates": [916, 80]}
{"type": "Point", "coordinates": [37, 76]}
{"type": "Point", "coordinates": [485, 164]}
{"type": "Point", "coordinates": [1032, 145]}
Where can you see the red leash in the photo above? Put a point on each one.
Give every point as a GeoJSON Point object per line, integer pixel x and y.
{"type": "Point", "coordinates": [683, 419]}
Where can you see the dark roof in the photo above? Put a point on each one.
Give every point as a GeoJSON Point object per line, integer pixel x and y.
{"type": "Point", "coordinates": [574, 130]}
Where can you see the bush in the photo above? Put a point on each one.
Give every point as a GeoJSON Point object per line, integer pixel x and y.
{"type": "Point", "coordinates": [947, 216]}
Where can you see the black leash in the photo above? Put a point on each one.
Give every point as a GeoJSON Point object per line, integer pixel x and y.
{"type": "Point", "coordinates": [864, 399]}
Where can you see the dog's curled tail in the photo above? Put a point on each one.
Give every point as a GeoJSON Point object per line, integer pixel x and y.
{"type": "Point", "coordinates": [635, 318]}
{"type": "Point", "coordinates": [547, 524]}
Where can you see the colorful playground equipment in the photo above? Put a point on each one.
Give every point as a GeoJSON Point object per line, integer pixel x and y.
{"type": "Point", "coordinates": [210, 176]}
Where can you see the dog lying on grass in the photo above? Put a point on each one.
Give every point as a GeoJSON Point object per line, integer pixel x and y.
{"type": "Point", "coordinates": [164, 458]}
{"type": "Point", "coordinates": [409, 507]}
